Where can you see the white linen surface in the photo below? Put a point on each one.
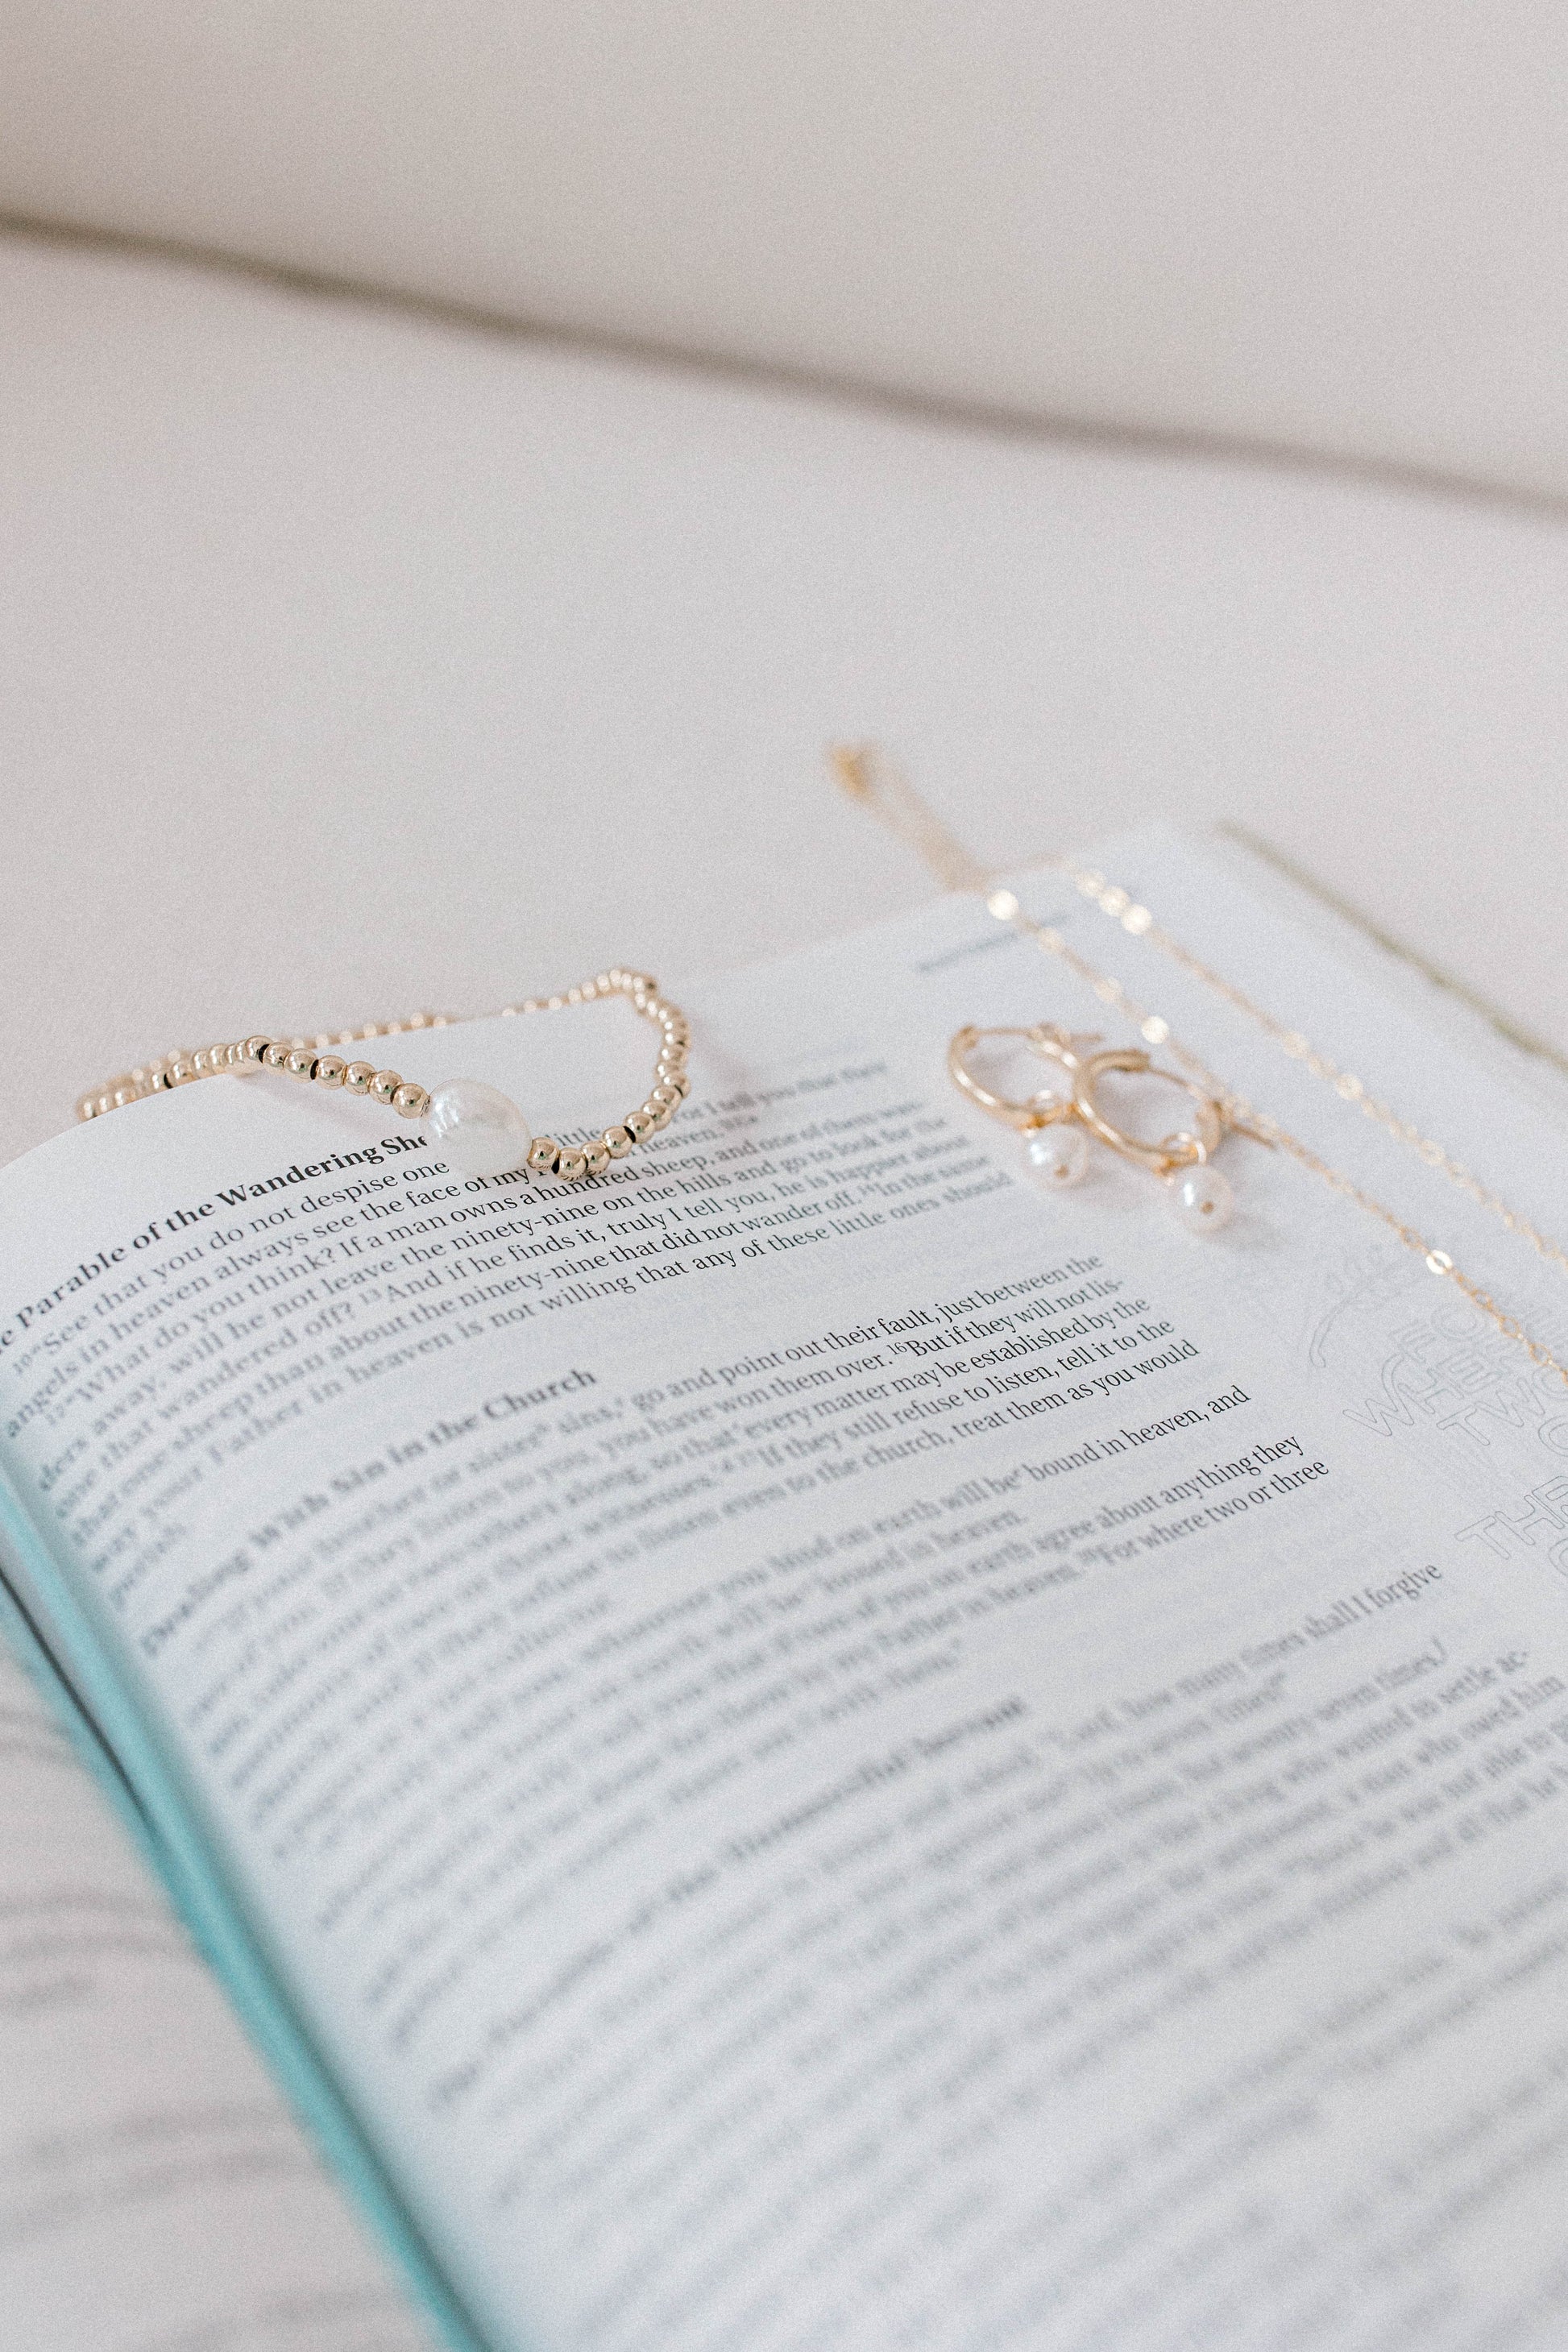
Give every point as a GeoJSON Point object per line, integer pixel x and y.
{"type": "Point", "coordinates": [354, 661]}
{"type": "Point", "coordinates": [1332, 225]}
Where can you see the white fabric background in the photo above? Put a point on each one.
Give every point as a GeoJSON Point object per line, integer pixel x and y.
{"type": "Point", "coordinates": [1340, 224]}
{"type": "Point", "coordinates": [354, 661]}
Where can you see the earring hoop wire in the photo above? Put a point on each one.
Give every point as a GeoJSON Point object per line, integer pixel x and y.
{"type": "Point", "coordinates": [1182, 1149]}
{"type": "Point", "coordinates": [1042, 1110]}
{"type": "Point", "coordinates": [1188, 1147]}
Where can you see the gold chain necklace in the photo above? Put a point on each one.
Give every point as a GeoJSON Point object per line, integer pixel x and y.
{"type": "Point", "coordinates": [889, 796]}
{"type": "Point", "coordinates": [1119, 906]}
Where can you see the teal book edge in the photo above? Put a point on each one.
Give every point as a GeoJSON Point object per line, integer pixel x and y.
{"type": "Point", "coordinates": [147, 1790]}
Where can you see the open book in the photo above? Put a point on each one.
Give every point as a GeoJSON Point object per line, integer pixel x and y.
{"type": "Point", "coordinates": [803, 1746]}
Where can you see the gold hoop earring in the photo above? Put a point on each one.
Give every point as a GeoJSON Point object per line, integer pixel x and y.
{"type": "Point", "coordinates": [1056, 1148]}
{"type": "Point", "coordinates": [1056, 1124]}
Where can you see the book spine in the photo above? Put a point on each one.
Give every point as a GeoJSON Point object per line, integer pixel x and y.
{"type": "Point", "coordinates": [122, 1750]}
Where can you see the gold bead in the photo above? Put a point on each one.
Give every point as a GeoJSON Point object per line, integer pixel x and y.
{"type": "Point", "coordinates": [313, 1058]}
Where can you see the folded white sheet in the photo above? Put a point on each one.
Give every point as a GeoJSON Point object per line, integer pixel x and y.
{"type": "Point", "coordinates": [1330, 224]}
{"type": "Point", "coordinates": [354, 662]}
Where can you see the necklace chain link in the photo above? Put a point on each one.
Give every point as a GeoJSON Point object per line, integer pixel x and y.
{"type": "Point", "coordinates": [1118, 904]}
{"type": "Point", "coordinates": [869, 779]}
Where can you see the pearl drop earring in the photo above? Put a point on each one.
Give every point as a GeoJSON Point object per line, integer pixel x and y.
{"type": "Point", "coordinates": [1056, 1123]}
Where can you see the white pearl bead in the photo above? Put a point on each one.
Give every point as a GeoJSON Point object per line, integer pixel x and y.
{"type": "Point", "coordinates": [1057, 1156]}
{"type": "Point", "coordinates": [1202, 1200]}
{"type": "Point", "coordinates": [477, 1129]}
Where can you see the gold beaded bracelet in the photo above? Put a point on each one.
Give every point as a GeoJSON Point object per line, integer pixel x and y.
{"type": "Point", "coordinates": [476, 1127]}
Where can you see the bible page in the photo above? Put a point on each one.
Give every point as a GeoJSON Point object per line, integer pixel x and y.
{"type": "Point", "coordinates": [831, 1749]}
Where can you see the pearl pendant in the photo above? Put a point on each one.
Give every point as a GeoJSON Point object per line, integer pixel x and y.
{"type": "Point", "coordinates": [477, 1129]}
{"type": "Point", "coordinates": [1201, 1199]}
{"type": "Point", "coordinates": [1058, 1156]}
